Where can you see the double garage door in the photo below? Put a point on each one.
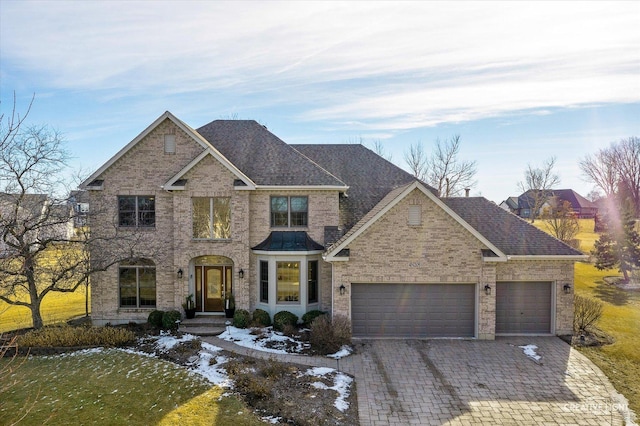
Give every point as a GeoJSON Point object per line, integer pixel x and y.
{"type": "Point", "coordinates": [413, 310]}
{"type": "Point", "coordinates": [447, 310]}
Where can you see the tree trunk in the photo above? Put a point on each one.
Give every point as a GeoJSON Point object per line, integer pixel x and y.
{"type": "Point", "coordinates": [86, 298]}
{"type": "Point", "coordinates": [35, 313]}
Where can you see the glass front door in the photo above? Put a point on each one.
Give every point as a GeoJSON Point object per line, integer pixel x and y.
{"type": "Point", "coordinates": [212, 284]}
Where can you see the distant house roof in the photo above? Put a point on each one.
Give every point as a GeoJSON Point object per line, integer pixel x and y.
{"type": "Point", "coordinates": [369, 177]}
{"type": "Point", "coordinates": [512, 203]}
{"type": "Point", "coordinates": [511, 234]}
{"type": "Point", "coordinates": [264, 157]}
{"type": "Point", "coordinates": [288, 241]}
{"type": "Point", "coordinates": [576, 200]}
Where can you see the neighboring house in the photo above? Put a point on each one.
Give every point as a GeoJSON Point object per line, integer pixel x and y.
{"type": "Point", "coordinates": [32, 216]}
{"type": "Point", "coordinates": [231, 208]}
{"type": "Point", "coordinates": [524, 204]}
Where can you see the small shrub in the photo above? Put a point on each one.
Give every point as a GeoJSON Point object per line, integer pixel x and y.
{"type": "Point", "coordinates": [169, 320]}
{"type": "Point", "coordinates": [273, 369]}
{"type": "Point", "coordinates": [308, 318]}
{"type": "Point", "coordinates": [329, 335]}
{"type": "Point", "coordinates": [241, 318]}
{"type": "Point", "coordinates": [261, 317]}
{"type": "Point", "coordinates": [587, 311]}
{"type": "Point", "coordinates": [253, 387]}
{"type": "Point", "coordinates": [65, 336]}
{"type": "Point", "coordinates": [155, 318]}
{"type": "Point", "coordinates": [283, 318]}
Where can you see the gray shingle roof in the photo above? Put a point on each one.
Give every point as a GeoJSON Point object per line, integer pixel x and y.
{"type": "Point", "coordinates": [262, 156]}
{"type": "Point", "coordinates": [509, 233]}
{"type": "Point", "coordinates": [369, 177]}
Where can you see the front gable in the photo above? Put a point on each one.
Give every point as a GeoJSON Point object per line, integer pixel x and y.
{"type": "Point", "coordinates": [427, 206]}
{"type": "Point", "coordinates": [144, 160]}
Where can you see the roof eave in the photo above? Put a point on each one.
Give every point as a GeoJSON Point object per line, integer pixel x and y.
{"type": "Point", "coordinates": [300, 188]}
{"type": "Point", "coordinates": [287, 252]}
{"type": "Point", "coordinates": [574, 257]}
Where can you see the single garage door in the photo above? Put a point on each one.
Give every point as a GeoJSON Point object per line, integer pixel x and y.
{"type": "Point", "coordinates": [413, 310]}
{"type": "Point", "coordinates": [523, 307]}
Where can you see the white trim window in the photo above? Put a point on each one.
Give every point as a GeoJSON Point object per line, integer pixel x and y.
{"type": "Point", "coordinates": [288, 282]}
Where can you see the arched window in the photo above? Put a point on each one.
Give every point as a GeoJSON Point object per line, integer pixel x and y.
{"type": "Point", "coordinates": [137, 283]}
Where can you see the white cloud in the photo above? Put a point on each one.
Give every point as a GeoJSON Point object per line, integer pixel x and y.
{"type": "Point", "coordinates": [385, 65]}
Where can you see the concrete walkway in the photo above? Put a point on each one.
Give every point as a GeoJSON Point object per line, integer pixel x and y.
{"type": "Point", "coordinates": [467, 382]}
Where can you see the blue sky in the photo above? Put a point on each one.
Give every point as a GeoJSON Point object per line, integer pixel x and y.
{"type": "Point", "coordinates": [519, 81]}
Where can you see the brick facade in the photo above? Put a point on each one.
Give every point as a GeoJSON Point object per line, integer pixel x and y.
{"type": "Point", "coordinates": [390, 250]}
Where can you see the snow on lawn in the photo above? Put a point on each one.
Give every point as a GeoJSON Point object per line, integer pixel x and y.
{"type": "Point", "coordinates": [341, 384]}
{"type": "Point", "coordinates": [265, 340]}
{"type": "Point", "coordinates": [207, 364]}
{"type": "Point", "coordinates": [530, 351]}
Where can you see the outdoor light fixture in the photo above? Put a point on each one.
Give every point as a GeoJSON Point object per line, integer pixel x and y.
{"type": "Point", "coordinates": [343, 289]}
{"type": "Point", "coordinates": [180, 273]}
{"type": "Point", "coordinates": [487, 289]}
{"type": "Point", "coordinates": [241, 273]}
{"type": "Point", "coordinates": [567, 289]}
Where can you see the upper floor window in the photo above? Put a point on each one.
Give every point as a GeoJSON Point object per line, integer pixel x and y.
{"type": "Point", "coordinates": [289, 211]}
{"type": "Point", "coordinates": [211, 218]}
{"type": "Point", "coordinates": [137, 283]}
{"type": "Point", "coordinates": [137, 211]}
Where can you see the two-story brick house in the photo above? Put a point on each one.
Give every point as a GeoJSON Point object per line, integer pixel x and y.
{"type": "Point", "coordinates": [231, 208]}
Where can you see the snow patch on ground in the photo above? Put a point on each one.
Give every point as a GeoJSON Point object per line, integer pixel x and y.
{"type": "Point", "coordinates": [530, 351]}
{"type": "Point", "coordinates": [343, 352]}
{"type": "Point", "coordinates": [265, 340]}
{"type": "Point", "coordinates": [341, 384]}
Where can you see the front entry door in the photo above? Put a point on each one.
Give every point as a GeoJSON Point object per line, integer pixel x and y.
{"type": "Point", "coordinates": [212, 283]}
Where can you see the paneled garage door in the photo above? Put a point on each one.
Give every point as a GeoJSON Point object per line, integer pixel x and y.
{"type": "Point", "coordinates": [413, 310]}
{"type": "Point", "coordinates": [523, 307]}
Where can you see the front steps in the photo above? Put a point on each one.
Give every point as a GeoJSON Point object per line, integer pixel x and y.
{"type": "Point", "coordinates": [205, 325]}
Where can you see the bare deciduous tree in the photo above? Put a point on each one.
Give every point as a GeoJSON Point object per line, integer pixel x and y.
{"type": "Point", "coordinates": [417, 160]}
{"type": "Point", "coordinates": [626, 154]}
{"type": "Point", "coordinates": [562, 222]}
{"type": "Point", "coordinates": [616, 170]}
{"type": "Point", "coordinates": [38, 252]}
{"type": "Point", "coordinates": [378, 148]}
{"type": "Point", "coordinates": [600, 169]}
{"type": "Point", "coordinates": [446, 172]}
{"type": "Point", "coordinates": [442, 169]}
{"type": "Point", "coordinates": [538, 185]}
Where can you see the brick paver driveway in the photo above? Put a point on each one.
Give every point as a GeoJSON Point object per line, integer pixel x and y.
{"type": "Point", "coordinates": [450, 382]}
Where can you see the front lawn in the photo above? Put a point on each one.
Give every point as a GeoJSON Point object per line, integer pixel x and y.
{"type": "Point", "coordinates": [620, 319]}
{"type": "Point", "coordinates": [112, 387]}
{"type": "Point", "coordinates": [56, 308]}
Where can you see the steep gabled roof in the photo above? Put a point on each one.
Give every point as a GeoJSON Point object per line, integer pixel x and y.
{"type": "Point", "coordinates": [511, 234]}
{"type": "Point", "coordinates": [265, 158]}
{"type": "Point", "coordinates": [369, 176]}
{"type": "Point", "coordinates": [387, 203]}
{"type": "Point", "coordinates": [90, 183]}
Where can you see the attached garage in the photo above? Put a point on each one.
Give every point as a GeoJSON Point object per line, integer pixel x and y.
{"type": "Point", "coordinates": [413, 310]}
{"type": "Point", "coordinates": [524, 307]}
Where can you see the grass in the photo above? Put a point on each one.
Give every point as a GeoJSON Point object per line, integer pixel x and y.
{"type": "Point", "coordinates": [620, 319]}
{"type": "Point", "coordinates": [55, 308]}
{"type": "Point", "coordinates": [112, 387]}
